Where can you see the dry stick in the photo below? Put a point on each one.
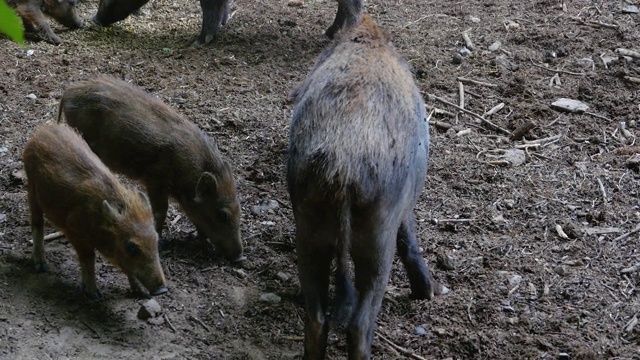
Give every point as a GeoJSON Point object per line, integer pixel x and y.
{"type": "Point", "coordinates": [595, 23]}
{"type": "Point", "coordinates": [598, 116]}
{"type": "Point", "coordinates": [166, 318]}
{"type": "Point", "coordinates": [632, 79]}
{"type": "Point", "coordinates": [475, 82]}
{"type": "Point", "coordinates": [519, 132]}
{"type": "Point", "coordinates": [191, 317]}
{"type": "Point", "coordinates": [602, 191]}
{"type": "Point", "coordinates": [53, 236]}
{"type": "Point", "coordinates": [633, 268]}
{"type": "Point", "coordinates": [461, 94]}
{"type": "Point", "coordinates": [558, 71]}
{"type": "Point", "coordinates": [496, 127]}
{"type": "Point", "coordinates": [91, 328]}
{"type": "Point", "coordinates": [400, 348]}
{"type": "Point", "coordinates": [467, 40]}
{"type": "Point", "coordinates": [624, 236]}
{"type": "Point", "coordinates": [294, 338]}
{"type": "Point", "coordinates": [441, 125]}
{"type": "Point", "coordinates": [627, 52]}
{"type": "Point", "coordinates": [494, 110]}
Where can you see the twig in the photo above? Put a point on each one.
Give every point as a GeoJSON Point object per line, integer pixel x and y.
{"type": "Point", "coordinates": [293, 338]}
{"type": "Point", "coordinates": [626, 235]}
{"type": "Point", "coordinates": [173, 223]}
{"type": "Point", "coordinates": [467, 40]}
{"type": "Point", "coordinates": [475, 82]}
{"type": "Point", "coordinates": [557, 71]}
{"type": "Point", "coordinates": [440, 221]}
{"type": "Point", "coordinates": [404, 351]}
{"type": "Point", "coordinates": [166, 318]}
{"type": "Point", "coordinates": [632, 79]}
{"type": "Point", "coordinates": [53, 236]}
{"type": "Point", "coordinates": [494, 110]}
{"type": "Point", "coordinates": [598, 116]}
{"type": "Point", "coordinates": [602, 191]}
{"type": "Point", "coordinates": [461, 94]}
{"type": "Point", "coordinates": [633, 268]}
{"type": "Point", "coordinates": [441, 125]}
{"type": "Point", "coordinates": [594, 23]}
{"type": "Point", "coordinates": [496, 127]}
{"type": "Point", "coordinates": [91, 328]}
{"type": "Point", "coordinates": [627, 52]}
{"type": "Point", "coordinates": [191, 317]}
{"type": "Point", "coordinates": [519, 132]}
{"type": "Point", "coordinates": [469, 315]}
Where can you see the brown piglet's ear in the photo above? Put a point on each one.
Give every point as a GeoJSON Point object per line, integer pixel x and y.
{"type": "Point", "coordinates": [145, 198]}
{"type": "Point", "coordinates": [207, 185]}
{"type": "Point", "coordinates": [110, 211]}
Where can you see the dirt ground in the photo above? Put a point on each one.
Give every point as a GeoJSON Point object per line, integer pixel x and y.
{"type": "Point", "coordinates": [529, 234]}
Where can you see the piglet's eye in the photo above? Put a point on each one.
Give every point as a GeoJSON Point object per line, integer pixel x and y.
{"type": "Point", "coordinates": [133, 249]}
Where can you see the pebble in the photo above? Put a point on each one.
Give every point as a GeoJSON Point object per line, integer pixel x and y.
{"type": "Point", "coordinates": [3, 149]}
{"type": "Point", "coordinates": [495, 46]}
{"type": "Point", "coordinates": [3, 217]}
{"type": "Point", "coordinates": [474, 19]}
{"type": "Point", "coordinates": [570, 105]}
{"type": "Point", "coordinates": [265, 205]}
{"type": "Point", "coordinates": [30, 52]}
{"type": "Point", "coordinates": [295, 3]}
{"type": "Point", "coordinates": [420, 331]}
{"type": "Point", "coordinates": [270, 298]}
{"type": "Point", "coordinates": [32, 96]}
{"type": "Point", "coordinates": [509, 203]}
{"type": "Point", "coordinates": [464, 51]}
{"type": "Point", "coordinates": [515, 279]}
{"type": "Point", "coordinates": [560, 270]}
{"type": "Point", "coordinates": [149, 309]}
{"type": "Point", "coordinates": [630, 9]}
{"type": "Point", "coordinates": [563, 356]}
{"type": "Point", "coordinates": [283, 276]}
{"type": "Point", "coordinates": [457, 58]}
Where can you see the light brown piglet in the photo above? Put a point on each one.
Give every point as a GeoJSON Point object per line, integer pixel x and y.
{"type": "Point", "coordinates": [78, 194]}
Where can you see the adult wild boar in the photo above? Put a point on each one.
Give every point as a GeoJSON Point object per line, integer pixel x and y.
{"type": "Point", "coordinates": [357, 163]}
{"type": "Point", "coordinates": [215, 13]}
{"type": "Point", "coordinates": [68, 184]}
{"type": "Point", "coordinates": [138, 135]}
{"type": "Point", "coordinates": [33, 17]}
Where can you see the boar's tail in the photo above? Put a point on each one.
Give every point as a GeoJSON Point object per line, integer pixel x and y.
{"type": "Point", "coordinates": [344, 302]}
{"type": "Point", "coordinates": [60, 109]}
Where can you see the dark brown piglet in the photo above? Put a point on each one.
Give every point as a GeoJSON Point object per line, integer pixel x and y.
{"type": "Point", "coordinates": [358, 154]}
{"type": "Point", "coordinates": [33, 14]}
{"type": "Point", "coordinates": [138, 135]}
{"type": "Point", "coordinates": [69, 185]}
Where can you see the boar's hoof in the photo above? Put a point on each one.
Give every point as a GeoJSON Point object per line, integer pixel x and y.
{"type": "Point", "coordinates": [40, 266]}
{"type": "Point", "coordinates": [239, 260]}
{"type": "Point", "coordinates": [159, 291]}
{"type": "Point", "coordinates": [92, 295]}
{"type": "Point", "coordinates": [97, 21]}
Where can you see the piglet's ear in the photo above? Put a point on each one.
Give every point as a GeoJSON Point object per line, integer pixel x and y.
{"type": "Point", "coordinates": [110, 211]}
{"type": "Point", "coordinates": [144, 198]}
{"type": "Point", "coordinates": [207, 186]}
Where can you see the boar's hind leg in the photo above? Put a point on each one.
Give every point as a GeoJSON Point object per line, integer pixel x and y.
{"type": "Point", "coordinates": [423, 286]}
{"type": "Point", "coordinates": [348, 14]}
{"type": "Point", "coordinates": [159, 199]}
{"type": "Point", "coordinates": [37, 232]}
{"type": "Point", "coordinates": [344, 301]}
{"type": "Point", "coordinates": [372, 251]}
{"type": "Point", "coordinates": [214, 14]}
{"type": "Point", "coordinates": [39, 22]}
{"type": "Point", "coordinates": [87, 258]}
{"type": "Point", "coordinates": [315, 254]}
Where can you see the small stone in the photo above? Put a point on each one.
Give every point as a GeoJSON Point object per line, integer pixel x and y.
{"type": "Point", "coordinates": [457, 58]}
{"type": "Point", "coordinates": [570, 105]}
{"type": "Point", "coordinates": [241, 273]}
{"type": "Point", "coordinates": [560, 270]}
{"type": "Point", "coordinates": [32, 96]}
{"type": "Point", "coordinates": [420, 331]}
{"type": "Point", "coordinates": [3, 217]}
{"type": "Point", "coordinates": [585, 62]}
{"type": "Point", "coordinates": [149, 309]}
{"type": "Point", "coordinates": [30, 52]}
{"type": "Point", "coordinates": [270, 298]}
{"type": "Point", "coordinates": [265, 205]}
{"type": "Point", "coordinates": [509, 203]}
{"type": "Point", "coordinates": [440, 331]}
{"type": "Point", "coordinates": [464, 52]}
{"type": "Point", "coordinates": [632, 123]}
{"type": "Point", "coordinates": [156, 320]}
{"type": "Point", "coordinates": [446, 262]}
{"type": "Point", "coordinates": [563, 356]}
{"type": "Point", "coordinates": [495, 46]}
{"type": "Point", "coordinates": [633, 162]}
{"type": "Point", "coordinates": [503, 62]}
{"type": "Point", "coordinates": [283, 276]}
{"type": "Point", "coordinates": [515, 279]}
{"type": "Point", "coordinates": [630, 9]}
{"type": "Point", "coordinates": [474, 19]}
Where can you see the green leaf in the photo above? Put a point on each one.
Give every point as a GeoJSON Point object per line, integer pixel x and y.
{"type": "Point", "coordinates": [10, 23]}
